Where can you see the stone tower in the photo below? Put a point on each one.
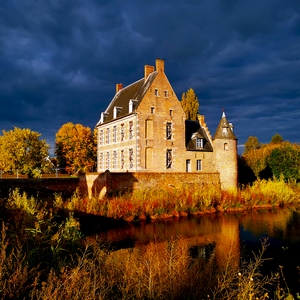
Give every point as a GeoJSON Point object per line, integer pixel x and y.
{"type": "Point", "coordinates": [225, 154]}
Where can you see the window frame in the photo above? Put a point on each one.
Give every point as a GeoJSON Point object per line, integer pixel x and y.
{"type": "Point", "coordinates": [169, 159]}
{"type": "Point", "coordinates": [130, 130]}
{"type": "Point", "coordinates": [199, 164]}
{"type": "Point", "coordinates": [130, 157]}
{"type": "Point", "coordinates": [169, 129]}
{"type": "Point", "coordinates": [199, 143]}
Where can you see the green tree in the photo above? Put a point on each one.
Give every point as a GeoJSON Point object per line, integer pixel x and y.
{"type": "Point", "coordinates": [190, 104]}
{"type": "Point", "coordinates": [276, 139]}
{"type": "Point", "coordinates": [252, 144]}
{"type": "Point", "coordinates": [285, 160]}
{"type": "Point", "coordinates": [75, 148]}
{"type": "Point", "coordinates": [22, 150]}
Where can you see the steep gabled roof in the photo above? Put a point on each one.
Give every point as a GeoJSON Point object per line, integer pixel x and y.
{"type": "Point", "coordinates": [192, 131]}
{"type": "Point", "coordinates": [224, 130]}
{"type": "Point", "coordinates": [135, 91]}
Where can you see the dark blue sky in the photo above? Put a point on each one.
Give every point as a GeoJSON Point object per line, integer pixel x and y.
{"type": "Point", "coordinates": [61, 59]}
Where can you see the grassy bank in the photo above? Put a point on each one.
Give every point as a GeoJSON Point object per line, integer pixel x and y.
{"type": "Point", "coordinates": [44, 255]}
{"type": "Point", "coordinates": [154, 204]}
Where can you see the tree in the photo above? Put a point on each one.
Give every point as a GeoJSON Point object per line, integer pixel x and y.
{"type": "Point", "coordinates": [256, 158]}
{"type": "Point", "coordinates": [190, 104]}
{"type": "Point", "coordinates": [285, 160]}
{"type": "Point", "coordinates": [75, 148]}
{"type": "Point", "coordinates": [276, 139]}
{"type": "Point", "coordinates": [252, 144]}
{"type": "Point", "coordinates": [22, 150]}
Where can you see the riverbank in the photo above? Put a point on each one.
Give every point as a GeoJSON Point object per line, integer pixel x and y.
{"type": "Point", "coordinates": [180, 202]}
{"type": "Point", "coordinates": [44, 255]}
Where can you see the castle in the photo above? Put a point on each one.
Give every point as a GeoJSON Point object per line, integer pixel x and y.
{"type": "Point", "coordinates": [144, 129]}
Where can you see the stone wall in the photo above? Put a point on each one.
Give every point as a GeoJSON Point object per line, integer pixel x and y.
{"type": "Point", "coordinates": [108, 183]}
{"type": "Point", "coordinates": [102, 184]}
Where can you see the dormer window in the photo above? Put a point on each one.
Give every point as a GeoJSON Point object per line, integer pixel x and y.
{"type": "Point", "coordinates": [103, 117]}
{"type": "Point", "coordinates": [132, 104]}
{"type": "Point", "coordinates": [117, 110]}
{"type": "Point", "coordinates": [156, 92]}
{"type": "Point", "coordinates": [199, 143]}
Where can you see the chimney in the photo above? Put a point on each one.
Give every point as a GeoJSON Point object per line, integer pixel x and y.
{"type": "Point", "coordinates": [201, 120]}
{"type": "Point", "coordinates": [148, 70]}
{"type": "Point", "coordinates": [119, 86]}
{"type": "Point", "coordinates": [160, 65]}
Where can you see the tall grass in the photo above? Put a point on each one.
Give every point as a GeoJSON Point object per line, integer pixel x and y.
{"type": "Point", "coordinates": [43, 255]}
{"type": "Point", "coordinates": [182, 201]}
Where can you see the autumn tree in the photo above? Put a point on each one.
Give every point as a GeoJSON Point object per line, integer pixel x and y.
{"type": "Point", "coordinates": [22, 150]}
{"type": "Point", "coordinates": [190, 104]}
{"type": "Point", "coordinates": [75, 148]}
{"type": "Point", "coordinates": [251, 144]}
{"type": "Point", "coordinates": [276, 139]}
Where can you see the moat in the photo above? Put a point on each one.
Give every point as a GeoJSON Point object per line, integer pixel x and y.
{"type": "Point", "coordinates": [242, 232]}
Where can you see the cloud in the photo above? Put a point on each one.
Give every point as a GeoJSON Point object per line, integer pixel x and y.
{"type": "Point", "coordinates": [60, 60]}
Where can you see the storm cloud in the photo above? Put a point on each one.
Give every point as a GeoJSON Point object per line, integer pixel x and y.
{"type": "Point", "coordinates": [60, 60]}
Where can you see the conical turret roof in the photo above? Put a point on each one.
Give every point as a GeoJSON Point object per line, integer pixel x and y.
{"type": "Point", "coordinates": [225, 129]}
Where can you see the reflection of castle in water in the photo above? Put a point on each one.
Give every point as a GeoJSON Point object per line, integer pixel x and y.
{"type": "Point", "coordinates": [217, 235]}
{"type": "Point", "coordinates": [210, 235]}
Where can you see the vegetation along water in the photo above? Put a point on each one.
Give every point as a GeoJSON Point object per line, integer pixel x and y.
{"type": "Point", "coordinates": [47, 250]}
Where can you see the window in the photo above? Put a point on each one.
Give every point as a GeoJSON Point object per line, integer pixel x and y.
{"type": "Point", "coordinates": [171, 112]}
{"type": "Point", "coordinates": [130, 130]}
{"type": "Point", "coordinates": [130, 158]}
{"type": "Point", "coordinates": [107, 136]}
{"type": "Point", "coordinates": [166, 94]}
{"type": "Point", "coordinates": [169, 130]}
{"type": "Point", "coordinates": [115, 159]}
{"type": "Point", "coordinates": [115, 134]}
{"type": "Point", "coordinates": [107, 160]}
{"type": "Point", "coordinates": [152, 110]}
{"type": "Point", "coordinates": [169, 159]}
{"type": "Point", "coordinates": [101, 161]}
{"type": "Point", "coordinates": [199, 165]}
{"type": "Point", "coordinates": [199, 143]}
{"type": "Point", "coordinates": [188, 165]}
{"type": "Point", "coordinates": [101, 137]}
{"type": "Point", "coordinates": [122, 159]}
{"type": "Point", "coordinates": [156, 92]}
{"type": "Point", "coordinates": [122, 132]}
{"type": "Point", "coordinates": [226, 146]}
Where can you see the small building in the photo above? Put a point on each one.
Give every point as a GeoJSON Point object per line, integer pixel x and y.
{"type": "Point", "coordinates": [144, 128]}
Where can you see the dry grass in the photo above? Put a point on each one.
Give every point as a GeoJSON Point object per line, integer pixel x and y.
{"type": "Point", "coordinates": [45, 257]}
{"type": "Point", "coordinates": [181, 201]}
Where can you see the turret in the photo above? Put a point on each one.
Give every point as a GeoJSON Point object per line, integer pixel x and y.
{"type": "Point", "coordinates": [225, 154]}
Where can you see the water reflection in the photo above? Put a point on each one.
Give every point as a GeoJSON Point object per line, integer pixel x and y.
{"type": "Point", "coordinates": [231, 235]}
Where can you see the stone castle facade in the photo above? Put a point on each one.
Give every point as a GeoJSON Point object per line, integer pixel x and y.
{"type": "Point", "coordinates": [144, 129]}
